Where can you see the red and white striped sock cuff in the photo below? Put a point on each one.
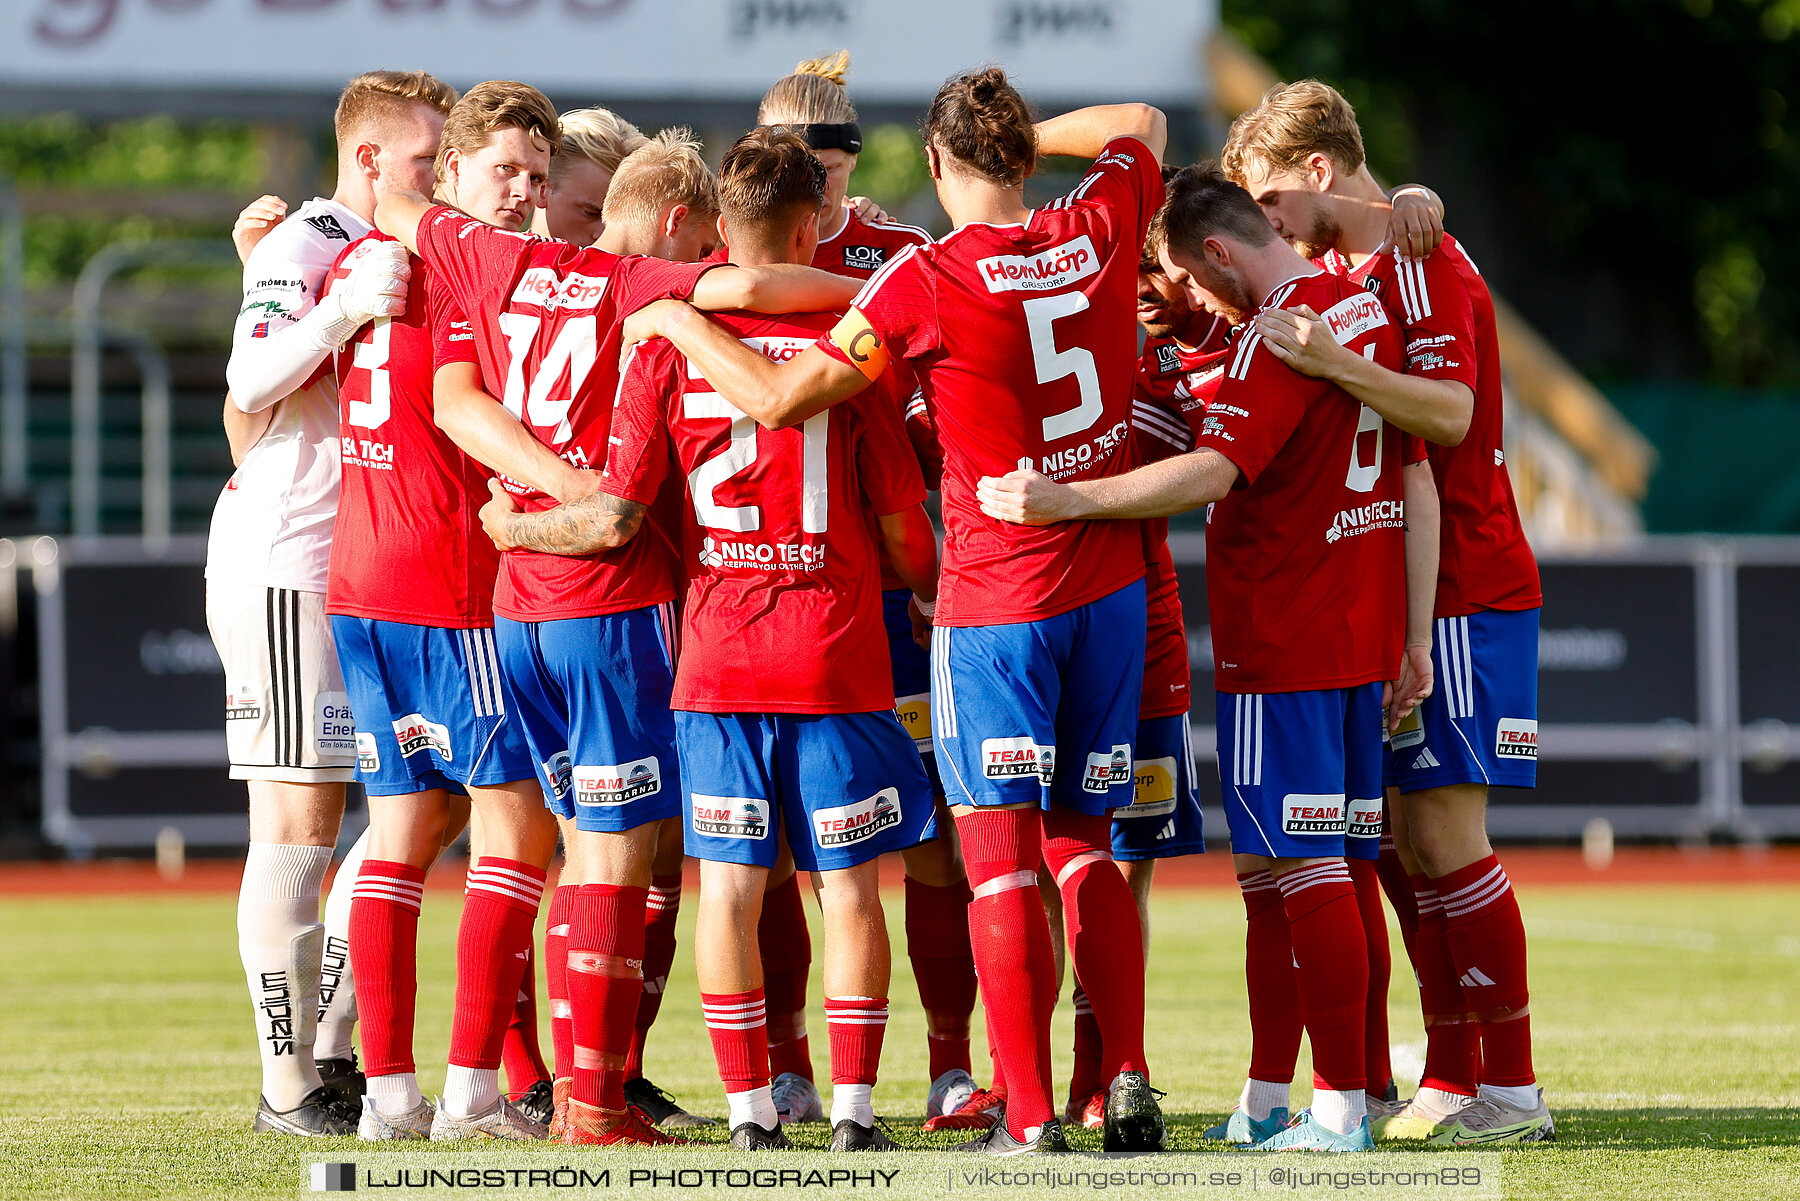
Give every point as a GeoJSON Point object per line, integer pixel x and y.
{"type": "Point", "coordinates": [390, 883]}
{"type": "Point", "coordinates": [1257, 882]}
{"type": "Point", "coordinates": [1083, 1006]}
{"type": "Point", "coordinates": [734, 1011]}
{"type": "Point", "coordinates": [856, 1011]}
{"type": "Point", "coordinates": [518, 884]}
{"type": "Point", "coordinates": [1300, 879]}
{"type": "Point", "coordinates": [1427, 901]}
{"type": "Point", "coordinates": [661, 898]}
{"type": "Point", "coordinates": [1489, 887]}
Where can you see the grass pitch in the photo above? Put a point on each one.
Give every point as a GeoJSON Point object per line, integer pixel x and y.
{"type": "Point", "coordinates": [1667, 1025]}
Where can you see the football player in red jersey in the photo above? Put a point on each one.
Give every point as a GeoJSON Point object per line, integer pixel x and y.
{"type": "Point", "coordinates": [588, 642]}
{"type": "Point", "coordinates": [815, 103]}
{"type": "Point", "coordinates": [779, 525]}
{"type": "Point", "coordinates": [1300, 154]}
{"type": "Point", "coordinates": [1306, 634]}
{"type": "Point", "coordinates": [1028, 665]}
{"type": "Point", "coordinates": [595, 141]}
{"type": "Point", "coordinates": [418, 647]}
{"type": "Point", "coordinates": [1177, 373]}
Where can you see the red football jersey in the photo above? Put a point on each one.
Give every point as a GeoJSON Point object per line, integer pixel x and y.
{"type": "Point", "coordinates": [1447, 316]}
{"type": "Point", "coordinates": [1172, 380]}
{"type": "Point", "coordinates": [783, 608]}
{"type": "Point", "coordinates": [858, 251]}
{"type": "Point", "coordinates": [1025, 353]}
{"type": "Point", "coordinates": [1306, 557]}
{"type": "Point", "coordinates": [408, 545]}
{"type": "Point", "coordinates": [551, 353]}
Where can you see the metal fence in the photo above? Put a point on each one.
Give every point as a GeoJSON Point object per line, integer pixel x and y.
{"type": "Point", "coordinates": [1669, 703]}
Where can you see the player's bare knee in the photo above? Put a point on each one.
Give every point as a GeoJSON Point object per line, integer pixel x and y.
{"type": "Point", "coordinates": [295, 814]}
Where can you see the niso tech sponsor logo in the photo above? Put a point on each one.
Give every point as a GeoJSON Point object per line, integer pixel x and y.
{"type": "Point", "coordinates": [614, 784]}
{"type": "Point", "coordinates": [1312, 813]}
{"type": "Point", "coordinates": [1046, 271]}
{"type": "Point", "coordinates": [730, 817]}
{"type": "Point", "coordinates": [1516, 738]}
{"type": "Point", "coordinates": [1365, 818]}
{"type": "Point", "coordinates": [1005, 758]}
{"type": "Point", "coordinates": [718, 553]}
{"type": "Point", "coordinates": [414, 734]}
{"type": "Point", "coordinates": [1378, 515]}
{"type": "Point", "coordinates": [852, 823]}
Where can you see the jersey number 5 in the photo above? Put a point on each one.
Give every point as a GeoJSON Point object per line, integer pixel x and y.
{"type": "Point", "coordinates": [815, 493]}
{"type": "Point", "coordinates": [1041, 313]}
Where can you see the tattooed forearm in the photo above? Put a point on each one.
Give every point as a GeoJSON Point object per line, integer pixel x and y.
{"type": "Point", "coordinates": [593, 523]}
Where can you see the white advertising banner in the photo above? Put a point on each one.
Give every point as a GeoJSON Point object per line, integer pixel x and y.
{"type": "Point", "coordinates": [717, 49]}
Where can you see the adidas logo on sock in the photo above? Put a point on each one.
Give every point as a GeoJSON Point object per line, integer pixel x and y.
{"type": "Point", "coordinates": [1426, 759]}
{"type": "Point", "coordinates": [1475, 978]}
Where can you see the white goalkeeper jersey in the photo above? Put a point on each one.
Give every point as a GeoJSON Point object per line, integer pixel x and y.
{"type": "Point", "coordinates": [272, 525]}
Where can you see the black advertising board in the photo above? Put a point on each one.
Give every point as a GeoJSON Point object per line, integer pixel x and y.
{"type": "Point", "coordinates": [137, 651]}
{"type": "Point", "coordinates": [1617, 644]}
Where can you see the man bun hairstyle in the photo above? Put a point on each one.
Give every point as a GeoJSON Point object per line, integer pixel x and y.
{"type": "Point", "coordinates": [815, 94]}
{"type": "Point", "coordinates": [374, 100]}
{"type": "Point", "coordinates": [1202, 203]}
{"type": "Point", "coordinates": [980, 120]}
{"type": "Point", "coordinates": [666, 170]}
{"type": "Point", "coordinates": [768, 174]}
{"type": "Point", "coordinates": [1292, 122]}
{"type": "Point", "coordinates": [489, 107]}
{"type": "Point", "coordinates": [599, 135]}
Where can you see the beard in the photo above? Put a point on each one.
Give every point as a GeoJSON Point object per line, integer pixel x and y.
{"type": "Point", "coordinates": [1163, 328]}
{"type": "Point", "coordinates": [1321, 236]}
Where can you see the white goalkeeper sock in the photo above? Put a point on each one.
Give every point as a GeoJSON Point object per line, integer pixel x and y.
{"type": "Point", "coordinates": [280, 941]}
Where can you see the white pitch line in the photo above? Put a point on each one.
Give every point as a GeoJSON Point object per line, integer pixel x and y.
{"type": "Point", "coordinates": [1612, 933]}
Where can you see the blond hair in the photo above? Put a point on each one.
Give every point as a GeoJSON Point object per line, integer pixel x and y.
{"type": "Point", "coordinates": [666, 170]}
{"type": "Point", "coordinates": [815, 94]}
{"type": "Point", "coordinates": [374, 100]}
{"type": "Point", "coordinates": [598, 135]}
{"type": "Point", "coordinates": [1292, 122]}
{"type": "Point", "coordinates": [489, 107]}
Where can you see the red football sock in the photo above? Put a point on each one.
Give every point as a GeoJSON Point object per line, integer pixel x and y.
{"type": "Point", "coordinates": [856, 1025]}
{"type": "Point", "coordinates": [937, 942]}
{"type": "Point", "coordinates": [1275, 1023]}
{"type": "Point", "coordinates": [1333, 971]}
{"type": "Point", "coordinates": [1375, 931]}
{"type": "Point", "coordinates": [556, 977]}
{"type": "Point", "coordinates": [737, 1024]}
{"type": "Point", "coordinates": [1102, 920]}
{"type": "Point", "coordinates": [606, 975]}
{"type": "Point", "coordinates": [500, 906]}
{"type": "Point", "coordinates": [1452, 1039]}
{"type": "Point", "coordinates": [384, 955]}
{"type": "Point", "coordinates": [520, 1055]}
{"type": "Point", "coordinates": [1398, 887]}
{"type": "Point", "coordinates": [786, 948]}
{"type": "Point", "coordinates": [1087, 1078]}
{"type": "Point", "coordinates": [660, 911]}
{"type": "Point", "coordinates": [998, 1087]}
{"type": "Point", "coordinates": [1011, 940]}
{"type": "Point", "coordinates": [1487, 940]}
